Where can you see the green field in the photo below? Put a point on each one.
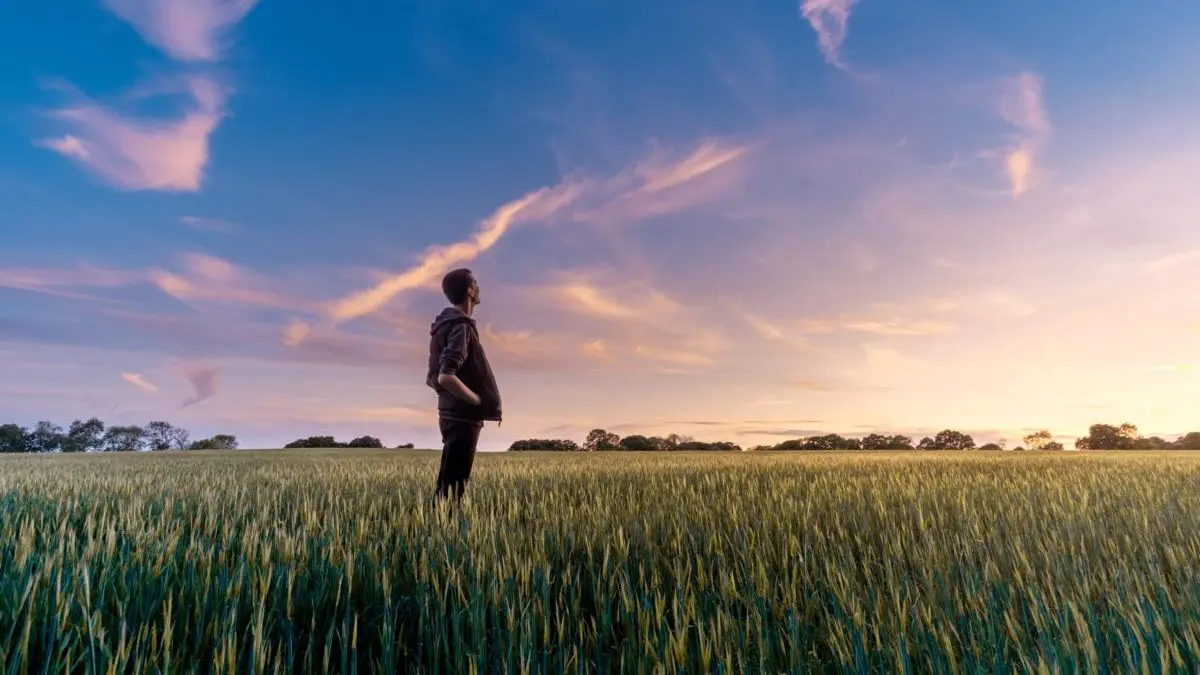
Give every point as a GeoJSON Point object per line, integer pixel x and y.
{"type": "Point", "coordinates": [332, 561]}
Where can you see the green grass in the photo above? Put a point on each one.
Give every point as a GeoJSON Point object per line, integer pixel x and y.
{"type": "Point", "coordinates": [332, 561]}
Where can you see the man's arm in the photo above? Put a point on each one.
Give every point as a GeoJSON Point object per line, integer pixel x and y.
{"type": "Point", "coordinates": [452, 358]}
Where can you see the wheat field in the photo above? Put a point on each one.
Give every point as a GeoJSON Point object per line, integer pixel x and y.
{"type": "Point", "coordinates": [335, 561]}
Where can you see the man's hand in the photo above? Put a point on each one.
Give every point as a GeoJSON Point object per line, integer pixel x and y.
{"type": "Point", "coordinates": [455, 386]}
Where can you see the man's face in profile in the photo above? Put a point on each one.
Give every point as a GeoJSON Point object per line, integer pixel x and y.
{"type": "Point", "coordinates": [474, 292]}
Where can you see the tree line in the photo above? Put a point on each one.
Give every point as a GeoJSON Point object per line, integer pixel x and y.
{"type": "Point", "coordinates": [1100, 437]}
{"type": "Point", "coordinates": [92, 435]}
{"type": "Point", "coordinates": [331, 442]}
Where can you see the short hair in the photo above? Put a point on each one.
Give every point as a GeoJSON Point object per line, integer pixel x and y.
{"type": "Point", "coordinates": [457, 284]}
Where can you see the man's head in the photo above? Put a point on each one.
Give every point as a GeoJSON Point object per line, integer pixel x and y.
{"type": "Point", "coordinates": [460, 288]}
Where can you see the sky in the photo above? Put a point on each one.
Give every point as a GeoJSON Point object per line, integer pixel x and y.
{"type": "Point", "coordinates": [745, 221]}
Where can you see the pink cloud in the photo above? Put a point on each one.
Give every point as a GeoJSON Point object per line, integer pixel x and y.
{"type": "Point", "coordinates": [187, 30]}
{"type": "Point", "coordinates": [143, 154]}
{"type": "Point", "coordinates": [205, 381]}
{"type": "Point", "coordinates": [830, 19]}
{"type": "Point", "coordinates": [57, 281]}
{"type": "Point", "coordinates": [211, 279]}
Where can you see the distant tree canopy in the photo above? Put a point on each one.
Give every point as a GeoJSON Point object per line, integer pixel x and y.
{"type": "Point", "coordinates": [92, 435]}
{"type": "Point", "coordinates": [1100, 437]}
{"type": "Point", "coordinates": [545, 445]}
{"type": "Point", "coordinates": [331, 442]}
{"type": "Point", "coordinates": [600, 440]}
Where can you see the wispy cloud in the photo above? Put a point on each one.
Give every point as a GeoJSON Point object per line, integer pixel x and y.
{"type": "Point", "coordinates": [437, 260]}
{"type": "Point", "coordinates": [295, 333]}
{"type": "Point", "coordinates": [772, 331]}
{"type": "Point", "coordinates": [673, 356]}
{"type": "Point", "coordinates": [830, 19]}
{"type": "Point", "coordinates": [138, 380]}
{"type": "Point", "coordinates": [585, 293]}
{"type": "Point", "coordinates": [887, 326]}
{"type": "Point", "coordinates": [135, 153]}
{"type": "Point", "coordinates": [598, 349]}
{"type": "Point", "coordinates": [1022, 106]}
{"type": "Point", "coordinates": [1168, 261]}
{"type": "Point", "coordinates": [211, 279]}
{"type": "Point", "coordinates": [186, 30]}
{"type": "Point", "coordinates": [649, 188]}
{"type": "Point", "coordinates": [203, 279]}
{"type": "Point", "coordinates": [205, 381]}
{"type": "Point", "coordinates": [59, 281]}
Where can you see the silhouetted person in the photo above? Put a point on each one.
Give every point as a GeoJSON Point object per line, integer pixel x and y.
{"type": "Point", "coordinates": [460, 374]}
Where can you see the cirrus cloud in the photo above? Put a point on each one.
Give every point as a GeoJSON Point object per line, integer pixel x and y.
{"type": "Point", "coordinates": [133, 153]}
{"type": "Point", "coordinates": [186, 30]}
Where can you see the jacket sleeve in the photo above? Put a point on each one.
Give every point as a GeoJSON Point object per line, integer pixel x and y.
{"type": "Point", "coordinates": [455, 352]}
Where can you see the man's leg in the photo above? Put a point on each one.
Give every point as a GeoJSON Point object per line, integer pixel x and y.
{"type": "Point", "coordinates": [459, 440]}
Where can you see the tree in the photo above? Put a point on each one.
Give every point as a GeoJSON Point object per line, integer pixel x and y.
{"type": "Point", "coordinates": [159, 435]}
{"type": "Point", "coordinates": [1152, 443]}
{"type": "Point", "coordinates": [545, 445]}
{"type": "Point", "coordinates": [315, 442]}
{"type": "Point", "coordinates": [1037, 440]}
{"type": "Point", "coordinates": [875, 442]}
{"type": "Point", "coordinates": [1108, 437]}
{"type": "Point", "coordinates": [1053, 446]}
{"type": "Point", "coordinates": [124, 439]}
{"type": "Point", "coordinates": [990, 447]}
{"type": "Point", "coordinates": [720, 446]}
{"type": "Point", "coordinates": [636, 442]}
{"type": "Point", "coordinates": [178, 438]}
{"type": "Point", "coordinates": [365, 442]}
{"type": "Point", "coordinates": [405, 446]}
{"type": "Point", "coordinates": [599, 439]}
{"type": "Point", "coordinates": [949, 439]}
{"type": "Point", "coordinates": [927, 443]}
{"type": "Point", "coordinates": [899, 442]}
{"type": "Point", "coordinates": [1189, 441]}
{"type": "Point", "coordinates": [46, 437]}
{"type": "Point", "coordinates": [225, 442]}
{"type": "Point", "coordinates": [13, 438]}
{"type": "Point", "coordinates": [218, 442]}
{"type": "Point", "coordinates": [84, 436]}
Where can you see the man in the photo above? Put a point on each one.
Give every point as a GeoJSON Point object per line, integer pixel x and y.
{"type": "Point", "coordinates": [460, 374]}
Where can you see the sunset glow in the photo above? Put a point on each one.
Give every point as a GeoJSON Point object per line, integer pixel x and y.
{"type": "Point", "coordinates": [735, 221]}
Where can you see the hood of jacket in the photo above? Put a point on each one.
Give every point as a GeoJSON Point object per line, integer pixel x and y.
{"type": "Point", "coordinates": [449, 317]}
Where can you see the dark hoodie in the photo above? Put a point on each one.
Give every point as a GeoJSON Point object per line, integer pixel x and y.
{"type": "Point", "coordinates": [454, 348]}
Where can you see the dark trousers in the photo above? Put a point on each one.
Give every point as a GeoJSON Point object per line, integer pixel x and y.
{"type": "Point", "coordinates": [459, 440]}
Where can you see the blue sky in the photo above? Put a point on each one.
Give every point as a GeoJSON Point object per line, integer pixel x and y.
{"type": "Point", "coordinates": [741, 221]}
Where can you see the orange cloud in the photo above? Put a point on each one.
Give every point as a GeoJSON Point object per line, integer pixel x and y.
{"type": "Point", "coordinates": [438, 260]}
{"type": "Point", "coordinates": [641, 191]}
{"type": "Point", "coordinates": [891, 326]}
{"type": "Point", "coordinates": [597, 349]}
{"type": "Point", "coordinates": [1021, 105]}
{"type": "Point", "coordinates": [673, 356]}
{"type": "Point", "coordinates": [138, 381]}
{"type": "Point", "coordinates": [295, 333]}
{"type": "Point", "coordinates": [584, 293]}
